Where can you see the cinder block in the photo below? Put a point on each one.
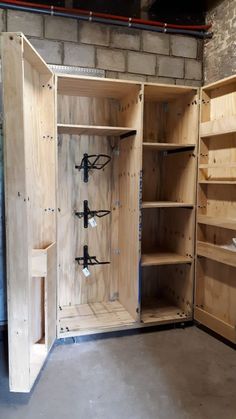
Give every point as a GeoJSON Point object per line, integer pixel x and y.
{"type": "Point", "coordinates": [2, 20]}
{"type": "Point", "coordinates": [170, 67]}
{"type": "Point", "coordinates": [141, 63]}
{"type": "Point", "coordinates": [161, 80]}
{"type": "Point", "coordinates": [130, 76]}
{"type": "Point", "coordinates": [109, 59]}
{"type": "Point", "coordinates": [193, 70]}
{"type": "Point", "coordinates": [29, 23]}
{"type": "Point", "coordinates": [111, 74]}
{"type": "Point", "coordinates": [93, 33]}
{"type": "Point", "coordinates": [158, 43]}
{"type": "Point", "coordinates": [60, 28]}
{"type": "Point", "coordinates": [125, 38]}
{"type": "Point", "coordinates": [79, 55]}
{"type": "Point", "coordinates": [51, 51]}
{"type": "Point", "coordinates": [184, 82]}
{"type": "Point", "coordinates": [183, 46]}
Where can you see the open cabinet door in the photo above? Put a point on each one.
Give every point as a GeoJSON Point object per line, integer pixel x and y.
{"type": "Point", "coordinates": [30, 195]}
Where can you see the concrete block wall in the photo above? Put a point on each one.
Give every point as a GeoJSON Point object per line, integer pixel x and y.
{"type": "Point", "coordinates": [122, 52]}
{"type": "Point", "coordinates": [220, 51]}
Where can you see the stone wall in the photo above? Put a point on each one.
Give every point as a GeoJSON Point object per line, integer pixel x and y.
{"type": "Point", "coordinates": [220, 51]}
{"type": "Point", "coordinates": [122, 52]}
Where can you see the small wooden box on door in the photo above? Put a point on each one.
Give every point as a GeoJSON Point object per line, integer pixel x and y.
{"type": "Point", "coordinates": [147, 188]}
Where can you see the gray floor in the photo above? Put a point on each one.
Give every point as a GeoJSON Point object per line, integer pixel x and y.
{"type": "Point", "coordinates": [174, 374]}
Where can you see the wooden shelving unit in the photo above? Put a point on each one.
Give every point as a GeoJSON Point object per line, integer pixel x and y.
{"type": "Point", "coordinates": [168, 216]}
{"type": "Point", "coordinates": [147, 189]}
{"type": "Point", "coordinates": [216, 222]}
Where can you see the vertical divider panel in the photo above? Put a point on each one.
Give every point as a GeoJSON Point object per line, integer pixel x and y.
{"type": "Point", "coordinates": [130, 186]}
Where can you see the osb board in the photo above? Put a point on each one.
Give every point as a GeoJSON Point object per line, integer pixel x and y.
{"type": "Point", "coordinates": [216, 290]}
{"type": "Point", "coordinates": [73, 286]}
{"type": "Point", "coordinates": [173, 282]}
{"type": "Point", "coordinates": [29, 131]}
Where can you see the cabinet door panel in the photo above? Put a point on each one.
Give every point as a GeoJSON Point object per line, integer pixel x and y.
{"type": "Point", "coordinates": [30, 196]}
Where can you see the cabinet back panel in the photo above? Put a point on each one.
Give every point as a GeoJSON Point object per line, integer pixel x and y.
{"type": "Point", "coordinates": [74, 287]}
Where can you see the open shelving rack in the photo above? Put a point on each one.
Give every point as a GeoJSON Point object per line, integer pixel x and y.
{"type": "Point", "coordinates": [216, 213]}
{"type": "Point", "coordinates": [170, 136]}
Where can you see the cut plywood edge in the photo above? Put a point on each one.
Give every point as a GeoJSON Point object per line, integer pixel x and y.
{"type": "Point", "coordinates": [217, 325]}
{"type": "Point", "coordinates": [40, 261]}
{"type": "Point", "coordinates": [221, 126]}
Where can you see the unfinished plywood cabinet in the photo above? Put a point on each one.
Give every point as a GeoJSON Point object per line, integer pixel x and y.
{"type": "Point", "coordinates": [101, 186]}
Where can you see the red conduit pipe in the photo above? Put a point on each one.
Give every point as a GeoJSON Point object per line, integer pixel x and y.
{"type": "Point", "coordinates": [90, 14]}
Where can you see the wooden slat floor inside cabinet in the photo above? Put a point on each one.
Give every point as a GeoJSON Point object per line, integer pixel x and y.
{"type": "Point", "coordinates": [93, 317]}
{"type": "Point", "coordinates": [161, 311]}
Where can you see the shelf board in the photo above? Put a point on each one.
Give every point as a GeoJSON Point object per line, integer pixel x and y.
{"type": "Point", "coordinates": [161, 257]}
{"type": "Point", "coordinates": [225, 125]}
{"type": "Point", "coordinates": [229, 223]}
{"type": "Point", "coordinates": [167, 146]}
{"type": "Point", "coordinates": [94, 130]}
{"type": "Point", "coordinates": [218, 182]}
{"type": "Point", "coordinates": [217, 253]}
{"type": "Point", "coordinates": [165, 204]}
{"type": "Point", "coordinates": [161, 311]}
{"type": "Point", "coordinates": [217, 166]}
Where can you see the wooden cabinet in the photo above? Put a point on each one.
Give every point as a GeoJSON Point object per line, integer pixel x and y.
{"type": "Point", "coordinates": [101, 187]}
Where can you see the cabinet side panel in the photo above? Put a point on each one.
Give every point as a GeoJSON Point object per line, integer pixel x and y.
{"type": "Point", "coordinates": [16, 213]}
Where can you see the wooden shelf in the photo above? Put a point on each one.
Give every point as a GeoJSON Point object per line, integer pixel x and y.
{"type": "Point", "coordinates": [165, 204]}
{"type": "Point", "coordinates": [229, 223]}
{"type": "Point", "coordinates": [218, 182]}
{"type": "Point", "coordinates": [217, 253]}
{"type": "Point", "coordinates": [94, 130]}
{"type": "Point", "coordinates": [167, 146]}
{"type": "Point", "coordinates": [217, 166]}
{"type": "Point", "coordinates": [161, 257]}
{"type": "Point", "coordinates": [161, 311]}
{"type": "Point", "coordinates": [225, 125]}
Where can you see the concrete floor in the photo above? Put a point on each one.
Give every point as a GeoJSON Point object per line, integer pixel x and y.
{"type": "Point", "coordinates": [173, 374]}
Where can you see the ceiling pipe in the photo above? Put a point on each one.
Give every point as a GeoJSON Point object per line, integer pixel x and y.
{"type": "Point", "coordinates": [104, 18]}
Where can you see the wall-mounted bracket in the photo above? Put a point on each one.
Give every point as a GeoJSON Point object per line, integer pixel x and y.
{"type": "Point", "coordinates": [94, 161]}
{"type": "Point", "coordinates": [87, 214]}
{"type": "Point", "coordinates": [87, 260]}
